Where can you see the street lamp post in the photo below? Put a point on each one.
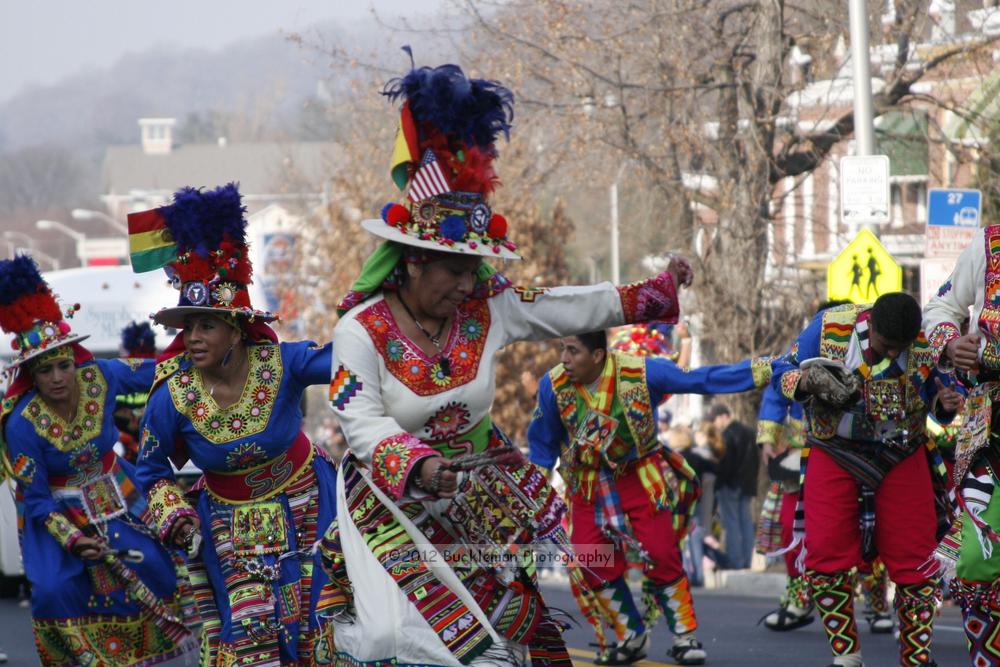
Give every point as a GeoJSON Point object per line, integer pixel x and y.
{"type": "Point", "coordinates": [615, 268]}
{"type": "Point", "coordinates": [864, 130]}
{"type": "Point", "coordinates": [79, 237]}
{"type": "Point", "coordinates": [87, 214]}
{"type": "Point", "coordinates": [29, 247]}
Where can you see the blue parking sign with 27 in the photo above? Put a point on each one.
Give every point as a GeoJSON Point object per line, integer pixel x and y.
{"type": "Point", "coordinates": [952, 207]}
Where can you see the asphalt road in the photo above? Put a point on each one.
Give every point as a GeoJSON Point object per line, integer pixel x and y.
{"type": "Point", "coordinates": [728, 631]}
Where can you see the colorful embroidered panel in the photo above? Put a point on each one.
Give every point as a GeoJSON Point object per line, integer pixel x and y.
{"type": "Point", "coordinates": [394, 459]}
{"type": "Point", "coordinates": [448, 422]}
{"type": "Point", "coordinates": [459, 630]}
{"type": "Point", "coordinates": [104, 640]}
{"type": "Point", "coordinates": [24, 468]}
{"type": "Point", "coordinates": [409, 364]}
{"type": "Point", "coordinates": [247, 416]}
{"type": "Point", "coordinates": [761, 368]}
{"type": "Point", "coordinates": [651, 299]}
{"type": "Point", "coordinates": [838, 325]}
{"type": "Point", "coordinates": [941, 335]}
{"type": "Point", "coordinates": [529, 294]}
{"type": "Point", "coordinates": [61, 529]}
{"type": "Point", "coordinates": [768, 432]}
{"type": "Point", "coordinates": [344, 386]}
{"type": "Point", "coordinates": [90, 414]}
{"type": "Point", "coordinates": [989, 317]}
{"type": "Point", "coordinates": [166, 503]}
{"type": "Point", "coordinates": [790, 383]}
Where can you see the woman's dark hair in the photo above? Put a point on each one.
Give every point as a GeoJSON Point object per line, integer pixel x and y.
{"type": "Point", "coordinates": [896, 316]}
{"type": "Point", "coordinates": [594, 340]}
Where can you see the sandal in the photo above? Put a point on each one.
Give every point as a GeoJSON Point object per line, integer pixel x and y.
{"type": "Point", "coordinates": [688, 652]}
{"type": "Point", "coordinates": [783, 620]}
{"type": "Point", "coordinates": [624, 652]}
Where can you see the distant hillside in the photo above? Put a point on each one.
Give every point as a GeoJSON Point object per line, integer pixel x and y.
{"type": "Point", "coordinates": [265, 79]}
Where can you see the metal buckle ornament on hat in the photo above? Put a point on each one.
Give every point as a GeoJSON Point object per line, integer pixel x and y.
{"type": "Point", "coordinates": [196, 293]}
{"type": "Point", "coordinates": [479, 218]}
{"type": "Point", "coordinates": [224, 293]}
{"type": "Point", "coordinates": [426, 212]}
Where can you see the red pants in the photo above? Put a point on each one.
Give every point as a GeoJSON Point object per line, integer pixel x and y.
{"type": "Point", "coordinates": [904, 517]}
{"type": "Point", "coordinates": [653, 528]}
{"type": "Point", "coordinates": [788, 503]}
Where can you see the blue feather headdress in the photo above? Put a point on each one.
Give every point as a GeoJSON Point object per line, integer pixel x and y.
{"type": "Point", "coordinates": [473, 111]}
{"type": "Point", "coordinates": [200, 221]}
{"type": "Point", "coordinates": [139, 340]}
{"type": "Point", "coordinates": [200, 239]}
{"type": "Point", "coordinates": [443, 160]}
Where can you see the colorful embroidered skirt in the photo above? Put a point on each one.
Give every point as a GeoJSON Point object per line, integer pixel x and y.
{"type": "Point", "coordinates": [105, 613]}
{"type": "Point", "coordinates": [257, 582]}
{"type": "Point", "coordinates": [415, 588]}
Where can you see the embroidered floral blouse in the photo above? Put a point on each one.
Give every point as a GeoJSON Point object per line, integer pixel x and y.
{"type": "Point", "coordinates": [41, 445]}
{"type": "Point", "coordinates": [259, 426]}
{"type": "Point", "coordinates": [396, 405]}
{"type": "Point", "coordinates": [973, 284]}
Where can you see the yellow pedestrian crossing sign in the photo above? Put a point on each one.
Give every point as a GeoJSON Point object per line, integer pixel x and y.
{"type": "Point", "coordinates": [863, 271]}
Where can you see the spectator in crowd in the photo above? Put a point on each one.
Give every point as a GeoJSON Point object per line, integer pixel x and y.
{"type": "Point", "coordinates": [736, 484]}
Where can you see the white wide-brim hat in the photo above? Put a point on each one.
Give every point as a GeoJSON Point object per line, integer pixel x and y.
{"type": "Point", "coordinates": [386, 231]}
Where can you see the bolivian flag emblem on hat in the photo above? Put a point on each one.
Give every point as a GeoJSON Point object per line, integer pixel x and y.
{"type": "Point", "coordinates": [150, 243]}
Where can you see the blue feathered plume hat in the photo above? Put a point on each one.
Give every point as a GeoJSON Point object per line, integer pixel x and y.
{"type": "Point", "coordinates": [29, 311]}
{"type": "Point", "coordinates": [138, 341]}
{"type": "Point", "coordinates": [443, 163]}
{"type": "Point", "coordinates": [200, 241]}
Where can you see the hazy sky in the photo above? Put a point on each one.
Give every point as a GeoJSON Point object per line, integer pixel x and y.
{"type": "Point", "coordinates": [44, 40]}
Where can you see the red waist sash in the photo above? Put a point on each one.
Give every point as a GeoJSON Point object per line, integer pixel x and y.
{"type": "Point", "coordinates": [107, 465]}
{"type": "Point", "coordinates": [263, 480]}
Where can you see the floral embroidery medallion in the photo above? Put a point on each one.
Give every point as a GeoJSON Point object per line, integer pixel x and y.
{"type": "Point", "coordinates": [394, 458]}
{"type": "Point", "coordinates": [448, 422]}
{"type": "Point", "coordinates": [409, 365]}
{"type": "Point", "coordinates": [248, 416]}
{"type": "Point", "coordinates": [86, 460]}
{"type": "Point", "coordinates": [245, 455]}
{"type": "Point", "coordinates": [87, 425]}
{"type": "Point", "coordinates": [392, 461]}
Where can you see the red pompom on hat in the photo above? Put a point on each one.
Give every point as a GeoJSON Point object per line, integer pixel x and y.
{"type": "Point", "coordinates": [397, 215]}
{"type": "Point", "coordinates": [498, 227]}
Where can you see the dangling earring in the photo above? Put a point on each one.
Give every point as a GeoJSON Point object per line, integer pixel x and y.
{"type": "Point", "coordinates": [229, 353]}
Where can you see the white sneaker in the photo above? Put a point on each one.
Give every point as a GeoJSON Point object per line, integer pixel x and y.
{"type": "Point", "coordinates": [880, 624]}
{"type": "Point", "coordinates": [849, 660]}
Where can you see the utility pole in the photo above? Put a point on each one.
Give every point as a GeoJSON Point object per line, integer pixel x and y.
{"type": "Point", "coordinates": [864, 126]}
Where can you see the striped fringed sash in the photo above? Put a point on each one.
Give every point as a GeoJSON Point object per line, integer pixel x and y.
{"type": "Point", "coordinates": [768, 536]}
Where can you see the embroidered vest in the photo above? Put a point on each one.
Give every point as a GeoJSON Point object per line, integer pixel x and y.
{"type": "Point", "coordinates": [631, 391]}
{"type": "Point", "coordinates": [835, 337]}
{"type": "Point", "coordinates": [989, 318]}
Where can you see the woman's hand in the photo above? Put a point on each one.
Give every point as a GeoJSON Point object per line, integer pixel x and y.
{"type": "Point", "coordinates": [180, 531]}
{"type": "Point", "coordinates": [88, 548]}
{"type": "Point", "coordinates": [436, 478]}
